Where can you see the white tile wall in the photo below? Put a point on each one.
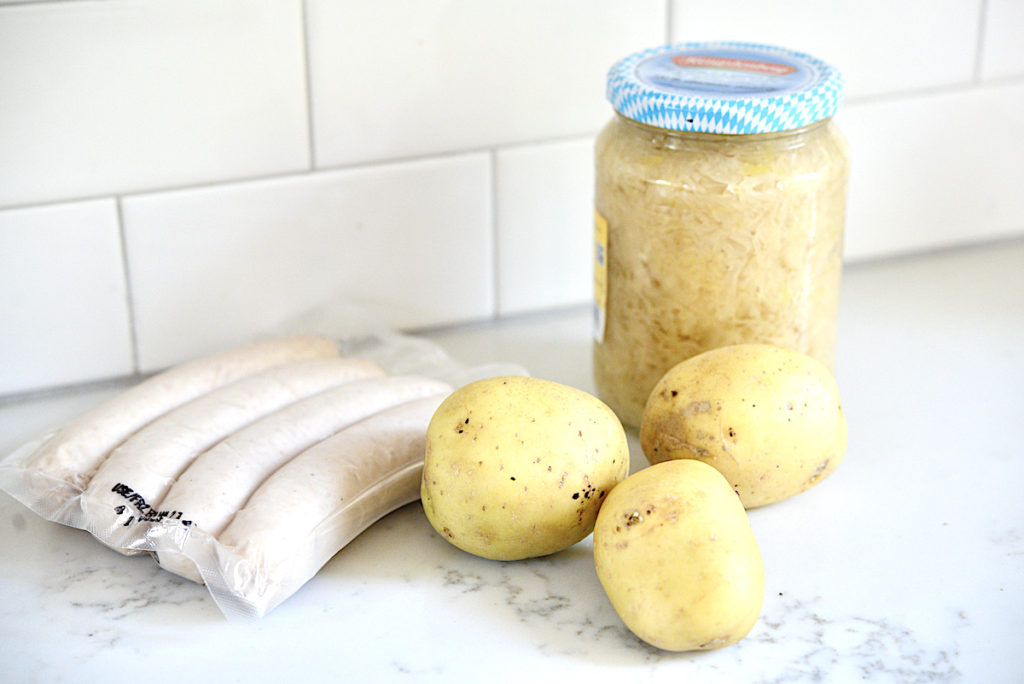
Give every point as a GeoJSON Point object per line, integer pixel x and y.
{"type": "Point", "coordinates": [106, 97]}
{"type": "Point", "coordinates": [935, 170]}
{"type": "Point", "coordinates": [545, 225]}
{"type": "Point", "coordinates": [881, 46]}
{"type": "Point", "coordinates": [63, 308]}
{"type": "Point", "coordinates": [395, 78]}
{"type": "Point", "coordinates": [211, 264]}
{"type": "Point", "coordinates": [428, 160]}
{"type": "Point", "coordinates": [1002, 54]}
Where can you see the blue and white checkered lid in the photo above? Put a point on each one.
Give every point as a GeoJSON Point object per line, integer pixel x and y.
{"type": "Point", "coordinates": [724, 87]}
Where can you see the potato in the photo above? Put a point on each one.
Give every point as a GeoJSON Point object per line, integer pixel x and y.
{"type": "Point", "coordinates": [769, 419]}
{"type": "Point", "coordinates": [675, 554]}
{"type": "Point", "coordinates": [517, 467]}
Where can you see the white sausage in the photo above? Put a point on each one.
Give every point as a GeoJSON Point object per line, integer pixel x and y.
{"type": "Point", "coordinates": [221, 479]}
{"type": "Point", "coordinates": [74, 453]}
{"type": "Point", "coordinates": [322, 499]}
{"type": "Point", "coordinates": [131, 482]}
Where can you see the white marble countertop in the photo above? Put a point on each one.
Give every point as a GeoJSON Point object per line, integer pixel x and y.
{"type": "Point", "coordinates": [906, 565]}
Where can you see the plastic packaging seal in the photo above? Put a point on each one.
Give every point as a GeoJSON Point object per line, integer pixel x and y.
{"type": "Point", "coordinates": [365, 469]}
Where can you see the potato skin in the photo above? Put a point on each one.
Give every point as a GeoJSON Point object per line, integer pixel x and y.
{"type": "Point", "coordinates": [675, 553]}
{"type": "Point", "coordinates": [769, 419]}
{"type": "Point", "coordinates": [517, 467]}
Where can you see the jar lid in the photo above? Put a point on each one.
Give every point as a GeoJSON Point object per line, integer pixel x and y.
{"type": "Point", "coordinates": [724, 87]}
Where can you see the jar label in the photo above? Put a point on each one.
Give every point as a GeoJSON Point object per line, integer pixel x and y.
{"type": "Point", "coordinates": [600, 274]}
{"type": "Point", "coordinates": [727, 73]}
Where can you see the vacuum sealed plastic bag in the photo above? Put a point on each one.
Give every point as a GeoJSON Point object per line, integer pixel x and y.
{"type": "Point", "coordinates": [249, 469]}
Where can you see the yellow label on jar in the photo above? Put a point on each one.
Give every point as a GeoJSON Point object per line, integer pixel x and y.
{"type": "Point", "coordinates": [600, 274]}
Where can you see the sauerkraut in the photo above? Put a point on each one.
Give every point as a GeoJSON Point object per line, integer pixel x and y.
{"type": "Point", "coordinates": [715, 240]}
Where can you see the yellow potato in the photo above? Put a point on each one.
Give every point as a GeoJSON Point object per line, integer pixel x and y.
{"type": "Point", "coordinates": [517, 467]}
{"type": "Point", "coordinates": [769, 419]}
{"type": "Point", "coordinates": [675, 554]}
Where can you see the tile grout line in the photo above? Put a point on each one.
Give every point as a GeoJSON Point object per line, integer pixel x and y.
{"type": "Point", "coordinates": [911, 94]}
{"type": "Point", "coordinates": [307, 73]}
{"type": "Point", "coordinates": [298, 173]}
{"type": "Point", "coordinates": [962, 87]}
{"type": "Point", "coordinates": [495, 235]}
{"type": "Point", "coordinates": [668, 22]}
{"type": "Point", "coordinates": [129, 298]}
{"type": "Point", "coordinates": [979, 46]}
{"type": "Point", "coordinates": [119, 382]}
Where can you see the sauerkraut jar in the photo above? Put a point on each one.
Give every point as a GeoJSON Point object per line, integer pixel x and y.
{"type": "Point", "coordinates": [720, 201]}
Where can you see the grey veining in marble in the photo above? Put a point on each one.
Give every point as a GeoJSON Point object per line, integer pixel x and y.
{"type": "Point", "coordinates": [904, 566]}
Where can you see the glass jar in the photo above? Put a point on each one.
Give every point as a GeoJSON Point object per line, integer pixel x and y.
{"type": "Point", "coordinates": [720, 202]}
